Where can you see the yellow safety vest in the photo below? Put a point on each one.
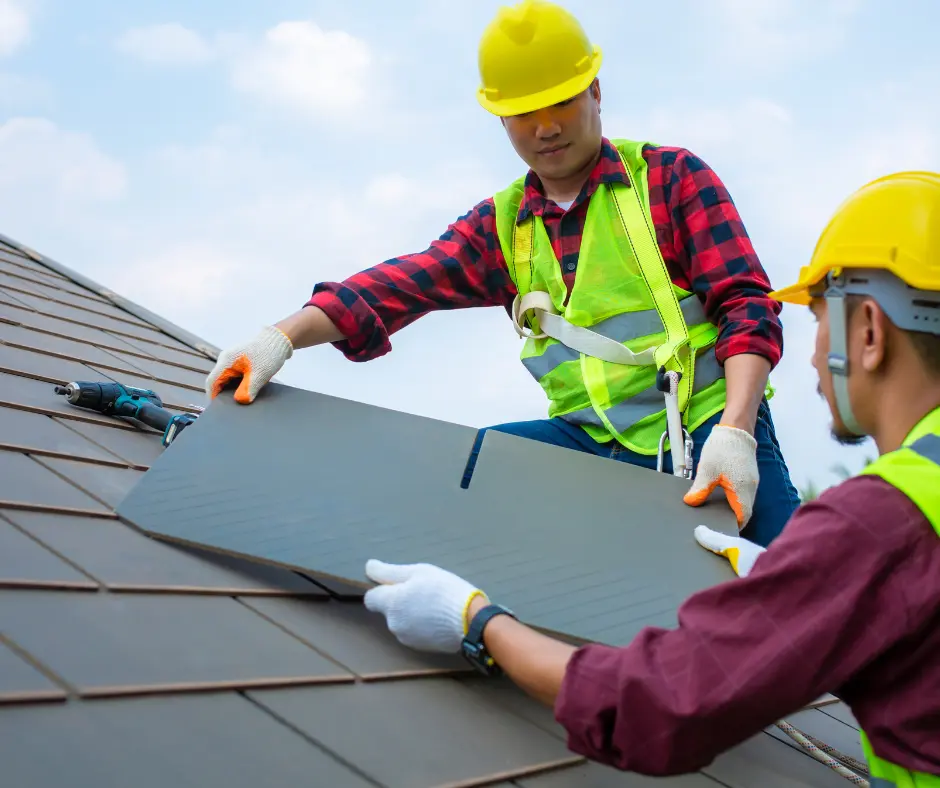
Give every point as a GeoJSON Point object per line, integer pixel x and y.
{"type": "Point", "coordinates": [623, 292]}
{"type": "Point", "coordinates": [914, 469]}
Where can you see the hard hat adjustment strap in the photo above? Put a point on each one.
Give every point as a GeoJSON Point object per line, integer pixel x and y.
{"type": "Point", "coordinates": [838, 359]}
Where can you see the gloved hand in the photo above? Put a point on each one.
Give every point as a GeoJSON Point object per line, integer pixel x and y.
{"type": "Point", "coordinates": [424, 606]}
{"type": "Point", "coordinates": [740, 552]}
{"type": "Point", "coordinates": [729, 459]}
{"type": "Point", "coordinates": [255, 362]}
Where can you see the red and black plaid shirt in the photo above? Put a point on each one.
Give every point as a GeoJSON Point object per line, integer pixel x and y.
{"type": "Point", "coordinates": [703, 241]}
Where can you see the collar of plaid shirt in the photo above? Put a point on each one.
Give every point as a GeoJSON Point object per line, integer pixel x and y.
{"type": "Point", "coordinates": [609, 169]}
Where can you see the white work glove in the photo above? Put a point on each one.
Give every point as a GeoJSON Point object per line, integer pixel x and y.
{"type": "Point", "coordinates": [729, 459]}
{"type": "Point", "coordinates": [255, 362]}
{"type": "Point", "coordinates": [424, 606]}
{"type": "Point", "coordinates": [741, 553]}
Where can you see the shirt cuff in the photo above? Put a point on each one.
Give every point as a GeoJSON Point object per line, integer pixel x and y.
{"type": "Point", "coordinates": [758, 345]}
{"type": "Point", "coordinates": [365, 335]}
{"type": "Point", "coordinates": [587, 704]}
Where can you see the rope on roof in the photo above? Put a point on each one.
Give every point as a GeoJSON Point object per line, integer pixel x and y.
{"type": "Point", "coordinates": [828, 755]}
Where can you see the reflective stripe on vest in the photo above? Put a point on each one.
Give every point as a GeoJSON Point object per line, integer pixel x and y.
{"type": "Point", "coordinates": [914, 469]}
{"type": "Point", "coordinates": [928, 447]}
{"type": "Point", "coordinates": [622, 327]}
{"type": "Point", "coordinates": [649, 401]}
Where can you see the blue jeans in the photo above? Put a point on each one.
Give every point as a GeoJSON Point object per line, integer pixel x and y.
{"type": "Point", "coordinates": [776, 497]}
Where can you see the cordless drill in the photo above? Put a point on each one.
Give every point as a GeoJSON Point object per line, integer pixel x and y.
{"type": "Point", "coordinates": [115, 399]}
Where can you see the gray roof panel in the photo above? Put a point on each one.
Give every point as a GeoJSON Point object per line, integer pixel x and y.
{"type": "Point", "coordinates": [21, 428]}
{"type": "Point", "coordinates": [593, 775]}
{"type": "Point", "coordinates": [45, 280]}
{"type": "Point", "coordinates": [104, 483]}
{"type": "Point", "coordinates": [20, 682]}
{"type": "Point", "coordinates": [26, 563]}
{"type": "Point", "coordinates": [355, 637]}
{"type": "Point", "coordinates": [161, 370]}
{"type": "Point", "coordinates": [198, 741]}
{"type": "Point", "coordinates": [761, 762]}
{"type": "Point", "coordinates": [37, 321]}
{"type": "Point", "coordinates": [134, 447]}
{"type": "Point", "coordinates": [123, 559]}
{"type": "Point", "coordinates": [603, 584]}
{"type": "Point", "coordinates": [23, 481]}
{"type": "Point", "coordinates": [112, 644]}
{"type": "Point", "coordinates": [412, 734]}
{"type": "Point", "coordinates": [174, 355]}
{"type": "Point", "coordinates": [43, 367]}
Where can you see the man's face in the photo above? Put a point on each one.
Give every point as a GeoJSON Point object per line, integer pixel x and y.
{"type": "Point", "coordinates": [824, 387]}
{"type": "Point", "coordinates": [559, 141]}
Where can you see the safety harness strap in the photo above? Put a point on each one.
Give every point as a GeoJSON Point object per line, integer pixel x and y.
{"type": "Point", "coordinates": [520, 263]}
{"type": "Point", "coordinates": [676, 352]}
{"type": "Point", "coordinates": [578, 338]}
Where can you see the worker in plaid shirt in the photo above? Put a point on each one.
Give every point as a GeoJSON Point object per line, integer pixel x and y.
{"type": "Point", "coordinates": [524, 249]}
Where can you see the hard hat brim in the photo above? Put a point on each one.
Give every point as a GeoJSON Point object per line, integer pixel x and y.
{"type": "Point", "coordinates": [546, 98]}
{"type": "Point", "coordinates": [794, 294]}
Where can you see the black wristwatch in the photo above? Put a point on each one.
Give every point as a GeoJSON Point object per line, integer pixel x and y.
{"type": "Point", "coordinates": [473, 649]}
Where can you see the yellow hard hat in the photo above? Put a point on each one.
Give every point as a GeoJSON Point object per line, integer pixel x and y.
{"type": "Point", "coordinates": [892, 224]}
{"type": "Point", "coordinates": [533, 55]}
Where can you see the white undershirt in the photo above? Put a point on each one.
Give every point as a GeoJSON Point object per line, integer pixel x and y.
{"type": "Point", "coordinates": [564, 205]}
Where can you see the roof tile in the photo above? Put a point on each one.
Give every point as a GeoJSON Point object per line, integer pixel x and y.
{"type": "Point", "coordinates": [35, 431]}
{"type": "Point", "coordinates": [124, 559]}
{"type": "Point", "coordinates": [26, 563]}
{"type": "Point", "coordinates": [20, 682]}
{"type": "Point", "coordinates": [199, 741]}
{"type": "Point", "coordinates": [24, 482]}
{"type": "Point", "coordinates": [104, 483]}
{"type": "Point", "coordinates": [416, 733]}
{"type": "Point", "coordinates": [353, 636]}
{"type": "Point", "coordinates": [109, 644]}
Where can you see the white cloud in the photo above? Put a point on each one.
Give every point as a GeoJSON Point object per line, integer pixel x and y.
{"type": "Point", "coordinates": [37, 158]}
{"type": "Point", "coordinates": [304, 67]}
{"type": "Point", "coordinates": [14, 26]}
{"type": "Point", "coordinates": [297, 64]}
{"type": "Point", "coordinates": [165, 44]}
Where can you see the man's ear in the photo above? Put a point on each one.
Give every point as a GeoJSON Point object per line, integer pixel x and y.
{"type": "Point", "coordinates": [872, 328]}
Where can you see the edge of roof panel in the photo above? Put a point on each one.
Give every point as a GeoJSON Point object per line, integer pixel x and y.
{"type": "Point", "coordinates": [181, 334]}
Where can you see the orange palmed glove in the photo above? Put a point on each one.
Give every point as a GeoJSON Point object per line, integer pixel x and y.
{"type": "Point", "coordinates": [255, 362]}
{"type": "Point", "coordinates": [729, 460]}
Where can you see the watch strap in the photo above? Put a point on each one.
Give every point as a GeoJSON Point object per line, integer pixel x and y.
{"type": "Point", "coordinates": [472, 646]}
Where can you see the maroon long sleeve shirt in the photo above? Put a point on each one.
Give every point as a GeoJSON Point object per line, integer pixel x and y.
{"type": "Point", "coordinates": [701, 236]}
{"type": "Point", "coordinates": [846, 600]}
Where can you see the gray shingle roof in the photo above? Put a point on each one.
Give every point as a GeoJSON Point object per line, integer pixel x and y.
{"type": "Point", "coordinates": [127, 661]}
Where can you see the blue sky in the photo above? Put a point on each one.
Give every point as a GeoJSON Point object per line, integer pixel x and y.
{"type": "Point", "coordinates": [214, 160]}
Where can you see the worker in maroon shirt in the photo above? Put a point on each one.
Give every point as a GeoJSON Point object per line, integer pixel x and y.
{"type": "Point", "coordinates": [624, 264]}
{"type": "Point", "coordinates": [846, 600]}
